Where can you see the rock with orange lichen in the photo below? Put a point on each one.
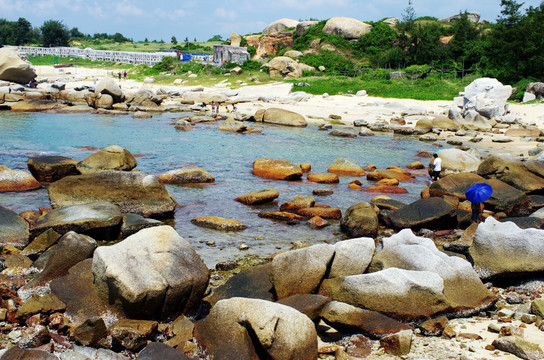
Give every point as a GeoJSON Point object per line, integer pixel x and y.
{"type": "Point", "coordinates": [258, 197]}
{"type": "Point", "coordinates": [388, 182]}
{"type": "Point", "coordinates": [390, 173]}
{"type": "Point", "coordinates": [276, 169]}
{"type": "Point", "coordinates": [16, 180]}
{"type": "Point", "coordinates": [323, 178]}
{"type": "Point", "coordinates": [318, 222]}
{"type": "Point", "coordinates": [282, 216]}
{"type": "Point", "coordinates": [345, 167]}
{"type": "Point", "coordinates": [218, 223]}
{"type": "Point", "coordinates": [306, 167]}
{"type": "Point", "coordinates": [387, 189]}
{"type": "Point", "coordinates": [325, 213]}
{"type": "Point", "coordinates": [354, 186]}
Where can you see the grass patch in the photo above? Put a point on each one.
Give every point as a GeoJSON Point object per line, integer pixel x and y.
{"type": "Point", "coordinates": [424, 89]}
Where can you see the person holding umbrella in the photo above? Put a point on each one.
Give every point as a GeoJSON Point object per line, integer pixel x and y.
{"type": "Point", "coordinates": [477, 194]}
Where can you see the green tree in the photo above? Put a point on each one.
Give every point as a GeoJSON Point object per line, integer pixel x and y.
{"type": "Point", "coordinates": [174, 40]}
{"type": "Point", "coordinates": [379, 39]}
{"type": "Point", "coordinates": [463, 46]}
{"type": "Point", "coordinates": [215, 38]}
{"type": "Point", "coordinates": [118, 37]}
{"type": "Point", "coordinates": [54, 33]}
{"type": "Point", "coordinates": [76, 34]}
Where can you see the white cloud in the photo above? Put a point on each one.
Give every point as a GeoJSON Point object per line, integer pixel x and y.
{"type": "Point", "coordinates": [224, 14]}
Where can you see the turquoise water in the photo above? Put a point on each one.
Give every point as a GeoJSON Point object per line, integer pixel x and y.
{"type": "Point", "coordinates": [226, 156]}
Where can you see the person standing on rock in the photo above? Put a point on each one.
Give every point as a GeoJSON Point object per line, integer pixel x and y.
{"type": "Point", "coordinates": [477, 211]}
{"type": "Point", "coordinates": [125, 75]}
{"type": "Point", "coordinates": [436, 167]}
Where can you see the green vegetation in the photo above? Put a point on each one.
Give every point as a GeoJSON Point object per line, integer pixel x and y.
{"type": "Point", "coordinates": [421, 89]}
{"type": "Point", "coordinates": [53, 60]}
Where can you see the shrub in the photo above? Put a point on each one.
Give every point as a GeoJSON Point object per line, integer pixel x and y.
{"type": "Point", "coordinates": [251, 65]}
{"type": "Point", "coordinates": [331, 61]}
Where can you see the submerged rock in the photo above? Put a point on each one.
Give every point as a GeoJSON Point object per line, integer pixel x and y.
{"type": "Point", "coordinates": [186, 176]}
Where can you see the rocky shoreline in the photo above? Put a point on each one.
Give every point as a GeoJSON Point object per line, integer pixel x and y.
{"type": "Point", "coordinates": [414, 281]}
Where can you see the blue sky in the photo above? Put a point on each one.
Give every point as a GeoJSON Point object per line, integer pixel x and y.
{"type": "Point", "coordinates": [201, 19]}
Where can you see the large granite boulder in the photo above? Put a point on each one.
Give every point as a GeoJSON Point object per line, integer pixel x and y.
{"type": "Point", "coordinates": [280, 25]}
{"type": "Point", "coordinates": [154, 272]}
{"type": "Point", "coordinates": [505, 198]}
{"type": "Point", "coordinates": [284, 66]}
{"type": "Point", "coordinates": [473, 17]}
{"type": "Point", "coordinates": [69, 250]}
{"type": "Point", "coordinates": [300, 271]}
{"type": "Point", "coordinates": [13, 68]}
{"type": "Point", "coordinates": [455, 161]}
{"type": "Point", "coordinates": [487, 97]}
{"type": "Point", "coordinates": [302, 26]}
{"type": "Point", "coordinates": [360, 220]}
{"type": "Point", "coordinates": [144, 97]}
{"type": "Point", "coordinates": [283, 117]}
{"type": "Point", "coordinates": [51, 168]}
{"type": "Point", "coordinates": [502, 249]}
{"type": "Point", "coordinates": [16, 180]}
{"type": "Point", "coordinates": [110, 87]}
{"type": "Point", "coordinates": [100, 220]}
{"type": "Point", "coordinates": [342, 166]}
{"type": "Point", "coordinates": [14, 229]}
{"type": "Point", "coordinates": [186, 176]}
{"type": "Point", "coordinates": [133, 192]}
{"type": "Point", "coordinates": [351, 257]}
{"type": "Point", "coordinates": [348, 28]}
{"type": "Point", "coordinates": [526, 176]}
{"type": "Point", "coordinates": [463, 289]}
{"type": "Point", "coordinates": [246, 329]}
{"type": "Point", "coordinates": [276, 169]}
{"type": "Point", "coordinates": [430, 213]}
{"type": "Point", "coordinates": [112, 158]}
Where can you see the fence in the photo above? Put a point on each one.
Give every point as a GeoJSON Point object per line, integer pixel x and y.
{"type": "Point", "coordinates": [99, 55]}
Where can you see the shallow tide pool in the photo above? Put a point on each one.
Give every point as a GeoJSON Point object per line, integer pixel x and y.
{"type": "Point", "coordinates": [227, 156]}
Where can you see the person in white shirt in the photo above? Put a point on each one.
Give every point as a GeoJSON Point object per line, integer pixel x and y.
{"type": "Point", "coordinates": [437, 167]}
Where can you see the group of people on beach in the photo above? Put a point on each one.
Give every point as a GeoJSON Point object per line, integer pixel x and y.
{"type": "Point", "coordinates": [215, 108]}
{"type": "Point", "coordinates": [435, 168]}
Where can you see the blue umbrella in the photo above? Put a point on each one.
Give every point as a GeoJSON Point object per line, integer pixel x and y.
{"type": "Point", "coordinates": [479, 192]}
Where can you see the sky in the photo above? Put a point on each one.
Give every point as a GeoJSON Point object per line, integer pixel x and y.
{"type": "Point", "coordinates": [202, 19]}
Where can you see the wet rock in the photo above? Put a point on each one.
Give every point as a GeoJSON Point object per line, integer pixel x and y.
{"type": "Point", "coordinates": [344, 134]}
{"type": "Point", "coordinates": [364, 131]}
{"type": "Point", "coordinates": [390, 173]}
{"type": "Point", "coordinates": [387, 204]}
{"type": "Point", "coordinates": [258, 197]}
{"type": "Point", "coordinates": [154, 272]}
{"type": "Point", "coordinates": [277, 331]}
{"type": "Point", "coordinates": [70, 250]}
{"type": "Point", "coordinates": [415, 165]}
{"type": "Point", "coordinates": [112, 158]}
{"type": "Point", "coordinates": [141, 115]}
{"type": "Point", "coordinates": [360, 220]}
{"type": "Point", "coordinates": [16, 353]}
{"type": "Point", "coordinates": [218, 223]}
{"type": "Point", "coordinates": [317, 222]}
{"type": "Point", "coordinates": [431, 213]}
{"type": "Point", "coordinates": [310, 305]}
{"type": "Point", "coordinates": [100, 220]}
{"type": "Point", "coordinates": [348, 318]}
{"type": "Point", "coordinates": [90, 332]}
{"type": "Point", "coordinates": [300, 271]}
{"type": "Point", "coordinates": [345, 167]}
{"type": "Point", "coordinates": [132, 223]}
{"type": "Point", "coordinates": [283, 117]}
{"type": "Point", "coordinates": [322, 192]}
{"type": "Point", "coordinates": [325, 213]}
{"type": "Point", "coordinates": [16, 180]}
{"type": "Point", "coordinates": [51, 168]}
{"type": "Point", "coordinates": [300, 202]}
{"type": "Point", "coordinates": [386, 189]}
{"type": "Point", "coordinates": [133, 192]}
{"type": "Point", "coordinates": [323, 178]}
{"type": "Point", "coordinates": [276, 169]}
{"type": "Point", "coordinates": [186, 176]}
{"type": "Point", "coordinates": [33, 337]}
{"type": "Point", "coordinates": [232, 125]}
{"type": "Point", "coordinates": [14, 229]}
{"type": "Point", "coordinates": [282, 216]}
{"type": "Point", "coordinates": [503, 249]}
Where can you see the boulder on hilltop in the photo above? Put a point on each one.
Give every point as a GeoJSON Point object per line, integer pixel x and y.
{"type": "Point", "coordinates": [280, 25]}
{"type": "Point", "coordinates": [346, 27]}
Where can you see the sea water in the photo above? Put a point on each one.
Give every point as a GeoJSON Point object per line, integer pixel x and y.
{"type": "Point", "coordinates": [227, 156]}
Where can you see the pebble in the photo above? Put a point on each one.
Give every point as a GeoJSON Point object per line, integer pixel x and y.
{"type": "Point", "coordinates": [210, 243]}
{"type": "Point", "coordinates": [243, 247]}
